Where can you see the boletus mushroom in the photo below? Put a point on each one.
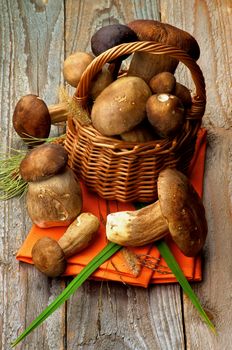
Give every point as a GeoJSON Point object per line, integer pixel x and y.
{"type": "Point", "coordinates": [49, 255]}
{"type": "Point", "coordinates": [166, 114]}
{"type": "Point", "coordinates": [178, 211]}
{"type": "Point", "coordinates": [54, 195]}
{"type": "Point", "coordinates": [165, 82]}
{"type": "Point", "coordinates": [75, 65]}
{"type": "Point", "coordinates": [146, 65]}
{"type": "Point", "coordinates": [109, 36]}
{"type": "Point", "coordinates": [121, 106]}
{"type": "Point", "coordinates": [32, 118]}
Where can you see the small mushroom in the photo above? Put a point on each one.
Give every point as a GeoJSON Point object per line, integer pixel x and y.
{"type": "Point", "coordinates": [121, 106]}
{"type": "Point", "coordinates": [54, 195]}
{"type": "Point", "coordinates": [109, 36]}
{"type": "Point", "coordinates": [75, 65]}
{"type": "Point", "coordinates": [165, 112]}
{"type": "Point", "coordinates": [49, 256]}
{"type": "Point", "coordinates": [164, 82]}
{"type": "Point", "coordinates": [141, 133]}
{"type": "Point", "coordinates": [33, 118]}
{"type": "Point", "coordinates": [178, 211]}
{"type": "Point", "coordinates": [146, 65]}
{"type": "Point", "coordinates": [183, 93]}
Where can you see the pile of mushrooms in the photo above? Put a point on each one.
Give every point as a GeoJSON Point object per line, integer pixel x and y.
{"type": "Point", "coordinates": [144, 104]}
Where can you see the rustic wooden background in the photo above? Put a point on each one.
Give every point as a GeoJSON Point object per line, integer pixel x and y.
{"type": "Point", "coordinates": [36, 36]}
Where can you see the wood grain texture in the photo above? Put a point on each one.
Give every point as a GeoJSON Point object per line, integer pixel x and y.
{"type": "Point", "coordinates": [210, 22]}
{"type": "Point", "coordinates": [211, 25]}
{"type": "Point", "coordinates": [31, 51]}
{"type": "Point", "coordinates": [35, 36]}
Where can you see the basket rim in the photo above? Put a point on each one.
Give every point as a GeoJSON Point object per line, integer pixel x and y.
{"type": "Point", "coordinates": [198, 100]}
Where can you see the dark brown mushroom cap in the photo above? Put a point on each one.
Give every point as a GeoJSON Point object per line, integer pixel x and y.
{"type": "Point", "coordinates": [150, 30]}
{"type": "Point", "coordinates": [48, 257]}
{"type": "Point", "coordinates": [183, 211]}
{"type": "Point", "coordinates": [31, 117]}
{"type": "Point", "coordinates": [43, 162]}
{"type": "Point", "coordinates": [111, 35]}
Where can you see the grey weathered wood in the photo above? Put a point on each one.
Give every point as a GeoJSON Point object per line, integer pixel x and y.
{"type": "Point", "coordinates": [210, 22]}
{"type": "Point", "coordinates": [35, 37]}
{"type": "Point", "coordinates": [31, 52]}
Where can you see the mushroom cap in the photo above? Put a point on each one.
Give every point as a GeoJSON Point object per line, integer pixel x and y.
{"type": "Point", "coordinates": [150, 30]}
{"type": "Point", "coordinates": [165, 113]}
{"type": "Point", "coordinates": [43, 162]}
{"type": "Point", "coordinates": [31, 117]}
{"type": "Point", "coordinates": [48, 257]}
{"type": "Point", "coordinates": [75, 65]}
{"type": "Point", "coordinates": [111, 35]}
{"type": "Point", "coordinates": [163, 82]}
{"type": "Point", "coordinates": [183, 211]}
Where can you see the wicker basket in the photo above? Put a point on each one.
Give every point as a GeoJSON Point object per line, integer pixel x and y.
{"type": "Point", "coordinates": [128, 171]}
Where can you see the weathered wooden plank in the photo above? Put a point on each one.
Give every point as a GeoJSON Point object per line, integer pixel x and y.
{"type": "Point", "coordinates": [126, 318]}
{"type": "Point", "coordinates": [31, 51]}
{"type": "Point", "coordinates": [210, 23]}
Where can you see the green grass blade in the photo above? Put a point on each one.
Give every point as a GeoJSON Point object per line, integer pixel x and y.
{"type": "Point", "coordinates": [173, 265]}
{"type": "Point", "coordinates": [98, 260]}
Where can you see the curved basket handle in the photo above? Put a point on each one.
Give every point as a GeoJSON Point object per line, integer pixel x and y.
{"type": "Point", "coordinates": [198, 101]}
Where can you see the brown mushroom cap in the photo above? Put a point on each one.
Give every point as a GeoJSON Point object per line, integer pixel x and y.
{"type": "Point", "coordinates": [150, 30]}
{"type": "Point", "coordinates": [163, 82]}
{"type": "Point", "coordinates": [184, 94]}
{"type": "Point", "coordinates": [165, 112]}
{"type": "Point", "coordinates": [43, 162]}
{"type": "Point", "coordinates": [75, 65]}
{"type": "Point", "coordinates": [183, 211]}
{"type": "Point", "coordinates": [31, 117]}
{"type": "Point", "coordinates": [48, 257]}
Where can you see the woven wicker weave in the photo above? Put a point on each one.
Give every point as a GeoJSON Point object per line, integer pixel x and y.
{"type": "Point", "coordinates": [128, 171]}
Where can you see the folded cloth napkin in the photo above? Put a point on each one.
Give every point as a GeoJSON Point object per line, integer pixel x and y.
{"type": "Point", "coordinates": [119, 267]}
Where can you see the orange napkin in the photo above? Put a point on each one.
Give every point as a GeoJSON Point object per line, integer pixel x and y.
{"type": "Point", "coordinates": [117, 268]}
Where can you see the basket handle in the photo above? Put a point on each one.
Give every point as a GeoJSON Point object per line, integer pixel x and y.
{"type": "Point", "coordinates": [198, 101]}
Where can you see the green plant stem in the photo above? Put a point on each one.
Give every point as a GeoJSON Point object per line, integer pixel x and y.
{"type": "Point", "coordinates": [174, 267]}
{"type": "Point", "coordinates": [87, 271]}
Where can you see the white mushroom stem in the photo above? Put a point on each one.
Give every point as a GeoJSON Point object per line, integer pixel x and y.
{"type": "Point", "coordinates": [58, 112]}
{"type": "Point", "coordinates": [146, 65]}
{"type": "Point", "coordinates": [137, 228]}
{"type": "Point", "coordinates": [79, 234]}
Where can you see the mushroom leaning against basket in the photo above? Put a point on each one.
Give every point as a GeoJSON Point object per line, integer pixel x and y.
{"type": "Point", "coordinates": [33, 118]}
{"type": "Point", "coordinates": [49, 256]}
{"type": "Point", "coordinates": [146, 65]}
{"type": "Point", "coordinates": [179, 211]}
{"type": "Point", "coordinates": [54, 195]}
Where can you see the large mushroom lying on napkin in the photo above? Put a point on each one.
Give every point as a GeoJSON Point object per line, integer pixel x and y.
{"type": "Point", "coordinates": [179, 211]}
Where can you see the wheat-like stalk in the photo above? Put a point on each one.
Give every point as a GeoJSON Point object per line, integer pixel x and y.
{"type": "Point", "coordinates": [74, 108]}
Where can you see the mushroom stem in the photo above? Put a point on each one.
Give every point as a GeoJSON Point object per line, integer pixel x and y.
{"type": "Point", "coordinates": [137, 228]}
{"type": "Point", "coordinates": [58, 112]}
{"type": "Point", "coordinates": [79, 234]}
{"type": "Point", "coordinates": [49, 256]}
